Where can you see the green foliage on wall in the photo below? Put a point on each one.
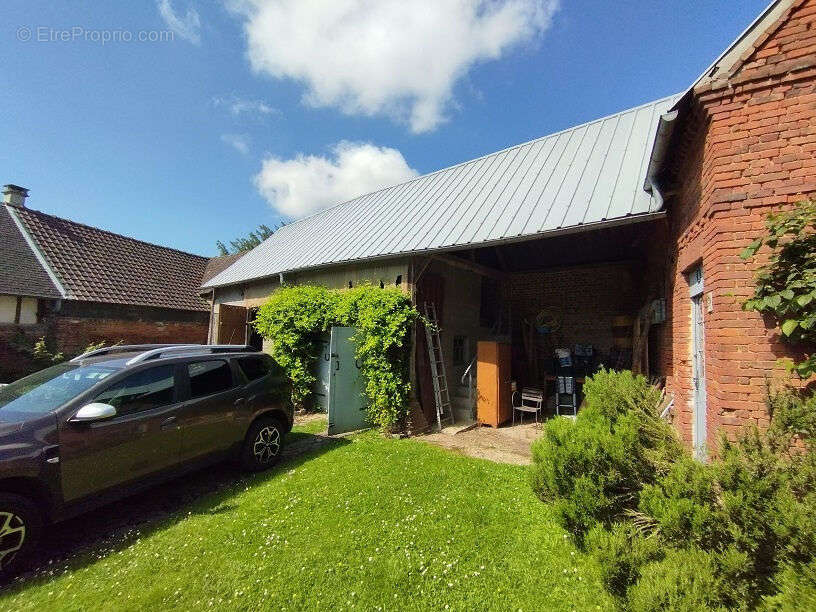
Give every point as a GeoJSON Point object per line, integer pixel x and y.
{"type": "Point", "coordinates": [295, 318]}
{"type": "Point", "coordinates": [786, 284]}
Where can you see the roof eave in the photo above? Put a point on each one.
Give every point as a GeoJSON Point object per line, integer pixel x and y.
{"type": "Point", "coordinates": [575, 229]}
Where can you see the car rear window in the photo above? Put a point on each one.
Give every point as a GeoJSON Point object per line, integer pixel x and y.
{"type": "Point", "coordinates": [255, 367]}
{"type": "Point", "coordinates": [208, 377]}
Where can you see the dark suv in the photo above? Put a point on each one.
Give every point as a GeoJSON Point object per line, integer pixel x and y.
{"type": "Point", "coordinates": [83, 433]}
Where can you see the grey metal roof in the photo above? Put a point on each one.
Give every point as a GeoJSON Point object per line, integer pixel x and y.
{"type": "Point", "coordinates": [588, 174]}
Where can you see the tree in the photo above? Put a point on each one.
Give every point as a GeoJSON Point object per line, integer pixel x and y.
{"type": "Point", "coordinates": [246, 243]}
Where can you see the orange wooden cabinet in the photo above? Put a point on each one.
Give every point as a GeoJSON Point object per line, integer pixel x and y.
{"type": "Point", "coordinates": [493, 383]}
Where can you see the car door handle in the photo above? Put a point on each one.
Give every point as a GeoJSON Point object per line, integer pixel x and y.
{"type": "Point", "coordinates": [239, 401]}
{"type": "Point", "coordinates": [169, 423]}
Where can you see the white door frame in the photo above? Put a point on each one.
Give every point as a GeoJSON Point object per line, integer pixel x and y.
{"type": "Point", "coordinates": [698, 374]}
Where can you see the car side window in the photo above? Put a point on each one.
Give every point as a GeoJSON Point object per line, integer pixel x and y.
{"type": "Point", "coordinates": [255, 367]}
{"type": "Point", "coordinates": [144, 390]}
{"type": "Point", "coordinates": [208, 377]}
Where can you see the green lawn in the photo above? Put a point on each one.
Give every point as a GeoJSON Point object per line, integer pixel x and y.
{"type": "Point", "coordinates": [367, 523]}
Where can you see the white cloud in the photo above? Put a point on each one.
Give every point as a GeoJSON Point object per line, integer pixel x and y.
{"type": "Point", "coordinates": [187, 26]}
{"type": "Point", "coordinates": [238, 106]}
{"type": "Point", "coordinates": [392, 57]}
{"type": "Point", "coordinates": [307, 183]}
{"type": "Point", "coordinates": [239, 142]}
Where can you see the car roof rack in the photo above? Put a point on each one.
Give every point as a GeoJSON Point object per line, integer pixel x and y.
{"type": "Point", "coordinates": [158, 352]}
{"type": "Point", "coordinates": [120, 348]}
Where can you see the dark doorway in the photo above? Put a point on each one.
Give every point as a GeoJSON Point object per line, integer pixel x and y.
{"type": "Point", "coordinates": [254, 339]}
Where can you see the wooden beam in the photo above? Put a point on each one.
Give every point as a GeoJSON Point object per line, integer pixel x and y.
{"type": "Point", "coordinates": [457, 262]}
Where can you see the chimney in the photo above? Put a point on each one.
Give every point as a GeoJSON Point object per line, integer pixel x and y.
{"type": "Point", "coordinates": [14, 195]}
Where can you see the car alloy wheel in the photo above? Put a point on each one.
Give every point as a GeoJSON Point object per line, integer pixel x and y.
{"type": "Point", "coordinates": [267, 444]}
{"type": "Point", "coordinates": [12, 536]}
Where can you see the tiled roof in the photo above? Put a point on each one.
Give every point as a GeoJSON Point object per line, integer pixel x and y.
{"type": "Point", "coordinates": [99, 266]}
{"type": "Point", "coordinates": [20, 271]}
{"type": "Point", "coordinates": [587, 175]}
{"type": "Point", "coordinates": [216, 265]}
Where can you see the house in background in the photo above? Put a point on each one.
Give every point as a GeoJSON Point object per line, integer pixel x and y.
{"type": "Point", "coordinates": [634, 220]}
{"type": "Point", "coordinates": [74, 284]}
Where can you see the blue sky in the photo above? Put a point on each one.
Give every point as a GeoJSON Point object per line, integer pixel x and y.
{"type": "Point", "coordinates": [261, 106]}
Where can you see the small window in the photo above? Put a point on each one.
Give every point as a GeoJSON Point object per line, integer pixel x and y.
{"type": "Point", "coordinates": [255, 367]}
{"type": "Point", "coordinates": [208, 377]}
{"type": "Point", "coordinates": [144, 390]}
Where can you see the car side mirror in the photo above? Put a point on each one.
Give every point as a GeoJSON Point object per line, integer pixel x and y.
{"type": "Point", "coordinates": [94, 412]}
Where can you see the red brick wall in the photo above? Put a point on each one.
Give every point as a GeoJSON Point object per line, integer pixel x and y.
{"type": "Point", "coordinates": [77, 324]}
{"type": "Point", "coordinates": [72, 335]}
{"type": "Point", "coordinates": [585, 299]}
{"type": "Point", "coordinates": [746, 147]}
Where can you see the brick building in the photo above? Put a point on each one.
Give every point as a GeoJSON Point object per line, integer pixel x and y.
{"type": "Point", "coordinates": [633, 221]}
{"type": "Point", "coordinates": [73, 285]}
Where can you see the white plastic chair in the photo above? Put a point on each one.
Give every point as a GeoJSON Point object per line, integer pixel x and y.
{"type": "Point", "coordinates": [528, 400]}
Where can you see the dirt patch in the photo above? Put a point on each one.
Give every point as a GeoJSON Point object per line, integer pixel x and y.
{"type": "Point", "coordinates": [502, 445]}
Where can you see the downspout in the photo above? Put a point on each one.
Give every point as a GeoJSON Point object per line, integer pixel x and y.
{"type": "Point", "coordinates": [665, 129]}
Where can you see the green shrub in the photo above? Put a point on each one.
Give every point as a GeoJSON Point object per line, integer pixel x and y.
{"type": "Point", "coordinates": [621, 552]}
{"type": "Point", "coordinates": [685, 580]}
{"type": "Point", "coordinates": [796, 589]}
{"type": "Point", "coordinates": [295, 319]}
{"type": "Point", "coordinates": [593, 468]}
{"type": "Point", "coordinates": [683, 505]}
{"type": "Point", "coordinates": [669, 532]}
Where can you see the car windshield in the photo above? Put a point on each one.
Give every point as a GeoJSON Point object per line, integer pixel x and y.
{"type": "Point", "coordinates": [48, 389]}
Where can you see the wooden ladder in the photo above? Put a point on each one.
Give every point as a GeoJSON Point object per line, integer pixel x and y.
{"type": "Point", "coordinates": [444, 411]}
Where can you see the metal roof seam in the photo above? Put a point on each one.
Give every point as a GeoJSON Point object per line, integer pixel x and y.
{"type": "Point", "coordinates": [516, 188]}
{"type": "Point", "coordinates": [425, 198]}
{"type": "Point", "coordinates": [571, 201]}
{"type": "Point", "coordinates": [600, 172]}
{"type": "Point", "coordinates": [620, 166]}
{"type": "Point", "coordinates": [518, 165]}
{"type": "Point", "coordinates": [563, 177]}
{"type": "Point", "coordinates": [464, 181]}
{"type": "Point", "coordinates": [430, 210]}
{"type": "Point", "coordinates": [479, 197]}
{"type": "Point", "coordinates": [379, 205]}
{"type": "Point", "coordinates": [555, 166]}
{"type": "Point", "coordinates": [487, 204]}
{"type": "Point", "coordinates": [554, 142]}
{"type": "Point", "coordinates": [450, 224]}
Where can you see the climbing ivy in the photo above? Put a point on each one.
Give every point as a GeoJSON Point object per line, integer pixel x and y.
{"type": "Point", "coordinates": [786, 284]}
{"type": "Point", "coordinates": [295, 318]}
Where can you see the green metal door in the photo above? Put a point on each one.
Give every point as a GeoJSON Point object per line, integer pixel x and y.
{"type": "Point", "coordinates": [347, 402]}
{"type": "Point", "coordinates": [322, 372]}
